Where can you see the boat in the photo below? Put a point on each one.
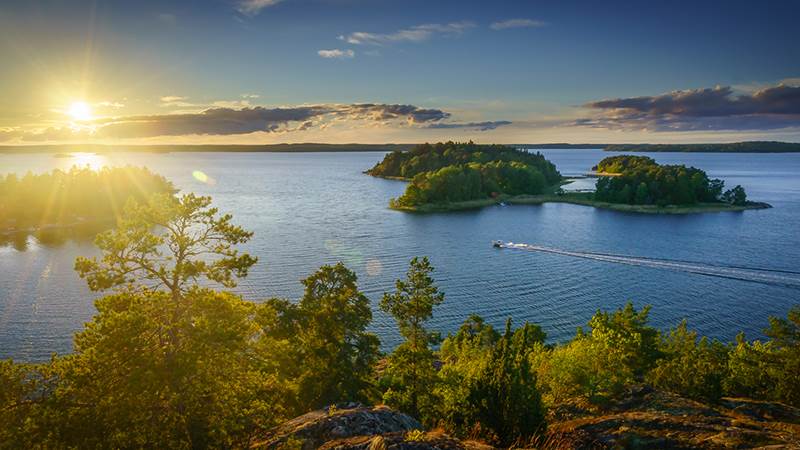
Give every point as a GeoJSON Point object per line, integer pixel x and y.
{"type": "Point", "coordinates": [497, 244]}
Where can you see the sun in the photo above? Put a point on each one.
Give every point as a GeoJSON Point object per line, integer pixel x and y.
{"type": "Point", "coordinates": [80, 111]}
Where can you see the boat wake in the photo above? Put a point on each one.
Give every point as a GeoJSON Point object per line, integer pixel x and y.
{"type": "Point", "coordinates": [781, 277]}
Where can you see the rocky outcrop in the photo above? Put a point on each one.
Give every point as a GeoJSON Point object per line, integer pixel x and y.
{"type": "Point", "coordinates": [648, 418]}
{"type": "Point", "coordinates": [642, 418]}
{"type": "Point", "coordinates": [315, 429]}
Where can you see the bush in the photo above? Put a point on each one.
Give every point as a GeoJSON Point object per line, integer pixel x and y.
{"type": "Point", "coordinates": [690, 367]}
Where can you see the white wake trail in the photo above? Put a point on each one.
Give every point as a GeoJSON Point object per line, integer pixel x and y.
{"type": "Point", "coordinates": [753, 274]}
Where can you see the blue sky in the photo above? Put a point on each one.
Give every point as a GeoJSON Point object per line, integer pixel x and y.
{"type": "Point", "coordinates": [254, 71]}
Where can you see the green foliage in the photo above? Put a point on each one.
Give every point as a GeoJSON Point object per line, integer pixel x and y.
{"type": "Point", "coordinates": [472, 181]}
{"type": "Point", "coordinates": [622, 163]}
{"type": "Point", "coordinates": [410, 376]}
{"type": "Point", "coordinates": [769, 370]}
{"type": "Point", "coordinates": [329, 354]}
{"type": "Point", "coordinates": [735, 196]}
{"type": "Point", "coordinates": [169, 244]}
{"type": "Point", "coordinates": [641, 181]}
{"type": "Point", "coordinates": [74, 196]}
{"type": "Point", "coordinates": [505, 400]}
{"type": "Point", "coordinates": [432, 157]}
{"type": "Point", "coordinates": [489, 388]}
{"type": "Point", "coordinates": [620, 348]}
{"type": "Point", "coordinates": [692, 367]}
{"type": "Point", "coordinates": [453, 172]}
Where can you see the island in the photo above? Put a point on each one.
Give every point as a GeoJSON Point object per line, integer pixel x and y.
{"type": "Point", "coordinates": [61, 199]}
{"type": "Point", "coordinates": [450, 176]}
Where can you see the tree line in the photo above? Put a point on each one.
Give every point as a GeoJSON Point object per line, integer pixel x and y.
{"type": "Point", "coordinates": [432, 157]}
{"type": "Point", "coordinates": [170, 362]}
{"type": "Point", "coordinates": [639, 180]}
{"type": "Point", "coordinates": [78, 194]}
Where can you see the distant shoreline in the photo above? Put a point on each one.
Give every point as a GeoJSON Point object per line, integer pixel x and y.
{"type": "Point", "coordinates": [61, 149]}
{"type": "Point", "coordinates": [583, 199]}
{"type": "Point", "coordinates": [734, 147]}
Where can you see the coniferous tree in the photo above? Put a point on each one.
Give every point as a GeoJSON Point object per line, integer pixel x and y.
{"type": "Point", "coordinates": [411, 374]}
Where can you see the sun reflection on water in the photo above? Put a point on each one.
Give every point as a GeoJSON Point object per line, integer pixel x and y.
{"type": "Point", "coordinates": [84, 159]}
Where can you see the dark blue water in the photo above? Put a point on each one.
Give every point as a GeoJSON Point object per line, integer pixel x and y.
{"type": "Point", "coordinates": [312, 209]}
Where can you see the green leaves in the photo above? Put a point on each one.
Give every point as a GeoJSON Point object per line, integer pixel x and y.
{"type": "Point", "coordinates": [168, 244]}
{"type": "Point", "coordinates": [330, 354]}
{"type": "Point", "coordinates": [410, 375]}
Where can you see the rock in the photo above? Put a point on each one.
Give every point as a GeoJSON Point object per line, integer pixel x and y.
{"type": "Point", "coordinates": [314, 429]}
{"type": "Point", "coordinates": [650, 418]}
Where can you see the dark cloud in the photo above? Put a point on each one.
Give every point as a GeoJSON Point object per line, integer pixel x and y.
{"type": "Point", "coordinates": [370, 111]}
{"type": "Point", "coordinates": [701, 109]}
{"type": "Point", "coordinates": [480, 126]}
{"type": "Point", "coordinates": [215, 121]}
{"type": "Point", "coordinates": [232, 121]}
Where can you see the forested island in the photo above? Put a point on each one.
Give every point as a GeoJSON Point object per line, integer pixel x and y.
{"type": "Point", "coordinates": [452, 176]}
{"type": "Point", "coordinates": [79, 195]}
{"type": "Point", "coordinates": [449, 173]}
{"type": "Point", "coordinates": [639, 180]}
{"type": "Point", "coordinates": [174, 359]}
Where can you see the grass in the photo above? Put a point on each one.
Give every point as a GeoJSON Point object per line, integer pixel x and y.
{"type": "Point", "coordinates": [580, 198]}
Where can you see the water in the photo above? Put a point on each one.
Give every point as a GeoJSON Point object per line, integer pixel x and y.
{"type": "Point", "coordinates": [311, 209]}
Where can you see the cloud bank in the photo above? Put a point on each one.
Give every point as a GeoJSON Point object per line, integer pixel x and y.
{"type": "Point", "coordinates": [227, 121]}
{"type": "Point", "coordinates": [715, 108]}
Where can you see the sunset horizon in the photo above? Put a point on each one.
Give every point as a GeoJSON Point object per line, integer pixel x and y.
{"type": "Point", "coordinates": [265, 72]}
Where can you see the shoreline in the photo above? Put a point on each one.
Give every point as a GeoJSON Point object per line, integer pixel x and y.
{"type": "Point", "coordinates": [57, 226]}
{"type": "Point", "coordinates": [584, 200]}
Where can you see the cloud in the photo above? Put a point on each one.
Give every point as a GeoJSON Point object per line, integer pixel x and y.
{"type": "Point", "coordinates": [225, 121]}
{"type": "Point", "coordinates": [715, 108]}
{"type": "Point", "coordinates": [381, 112]}
{"type": "Point", "coordinates": [418, 33]}
{"type": "Point", "coordinates": [253, 7]}
{"type": "Point", "coordinates": [517, 23]}
{"type": "Point", "coordinates": [336, 54]}
{"type": "Point", "coordinates": [480, 126]}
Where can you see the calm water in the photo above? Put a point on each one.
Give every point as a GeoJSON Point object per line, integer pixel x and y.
{"type": "Point", "coordinates": [312, 209]}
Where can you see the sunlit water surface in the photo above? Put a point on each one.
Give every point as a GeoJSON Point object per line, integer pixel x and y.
{"type": "Point", "coordinates": [315, 208]}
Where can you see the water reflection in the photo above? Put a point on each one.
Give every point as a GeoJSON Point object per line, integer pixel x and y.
{"type": "Point", "coordinates": [53, 237]}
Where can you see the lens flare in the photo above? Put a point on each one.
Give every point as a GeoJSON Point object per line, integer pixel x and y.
{"type": "Point", "coordinates": [203, 178]}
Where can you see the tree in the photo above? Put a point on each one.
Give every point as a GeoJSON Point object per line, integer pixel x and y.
{"type": "Point", "coordinates": [411, 373]}
{"type": "Point", "coordinates": [505, 399]}
{"type": "Point", "coordinates": [642, 194]}
{"type": "Point", "coordinates": [168, 244]}
{"type": "Point", "coordinates": [151, 372]}
{"type": "Point", "coordinates": [331, 354]}
{"type": "Point", "coordinates": [735, 196]}
{"type": "Point", "coordinates": [690, 366]}
{"type": "Point", "coordinates": [164, 362]}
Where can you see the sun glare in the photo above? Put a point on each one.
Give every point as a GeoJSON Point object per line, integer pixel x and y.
{"type": "Point", "coordinates": [91, 160]}
{"type": "Point", "coordinates": [80, 111]}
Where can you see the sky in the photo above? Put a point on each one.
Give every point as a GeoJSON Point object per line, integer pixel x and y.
{"type": "Point", "coordinates": [378, 71]}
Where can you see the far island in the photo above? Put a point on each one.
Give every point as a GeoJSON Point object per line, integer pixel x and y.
{"type": "Point", "coordinates": [79, 196]}
{"type": "Point", "coordinates": [452, 176]}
